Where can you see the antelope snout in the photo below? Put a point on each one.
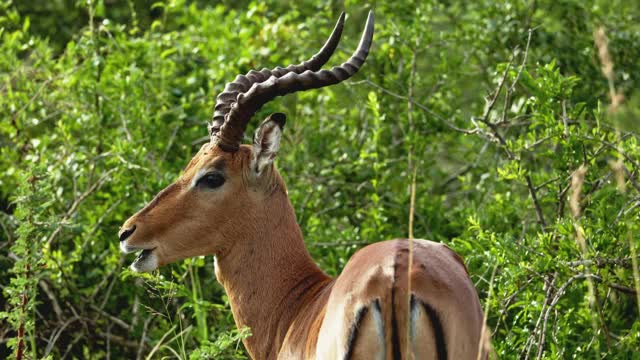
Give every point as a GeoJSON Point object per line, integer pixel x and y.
{"type": "Point", "coordinates": [125, 232]}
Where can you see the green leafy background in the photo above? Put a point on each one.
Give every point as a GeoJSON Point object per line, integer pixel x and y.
{"type": "Point", "coordinates": [495, 105]}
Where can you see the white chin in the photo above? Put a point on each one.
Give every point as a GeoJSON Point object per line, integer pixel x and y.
{"type": "Point", "coordinates": [146, 264]}
{"type": "Point", "coordinates": [124, 248]}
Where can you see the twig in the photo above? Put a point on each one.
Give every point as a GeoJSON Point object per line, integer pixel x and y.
{"type": "Point", "coordinates": [600, 262]}
{"type": "Point", "coordinates": [524, 62]}
{"type": "Point", "coordinates": [612, 147]}
{"type": "Point", "coordinates": [494, 98]}
{"type": "Point", "coordinates": [615, 286]}
{"type": "Point", "coordinates": [536, 203]}
{"type": "Point", "coordinates": [509, 299]}
{"type": "Point", "coordinates": [145, 327]}
{"type": "Point", "coordinates": [109, 325]}
{"type": "Point", "coordinates": [54, 302]}
{"type": "Point", "coordinates": [71, 345]}
{"type": "Point", "coordinates": [7, 233]}
{"type": "Point", "coordinates": [172, 138]}
{"type": "Point", "coordinates": [115, 320]}
{"type": "Point", "coordinates": [120, 340]}
{"type": "Point", "coordinates": [561, 291]}
{"type": "Point", "coordinates": [76, 203]}
{"type": "Point", "coordinates": [124, 126]}
{"type": "Point", "coordinates": [538, 187]}
{"type": "Point", "coordinates": [495, 134]}
{"type": "Point", "coordinates": [37, 93]}
{"type": "Point", "coordinates": [56, 334]}
{"type": "Point", "coordinates": [538, 142]}
{"type": "Point", "coordinates": [528, 345]}
{"type": "Point", "coordinates": [419, 105]}
{"type": "Point", "coordinates": [105, 297]}
{"type": "Point", "coordinates": [565, 120]}
{"type": "Point", "coordinates": [627, 208]}
{"type": "Point", "coordinates": [634, 263]}
{"type": "Point", "coordinates": [465, 169]}
{"type": "Point", "coordinates": [632, 178]}
{"type": "Point", "coordinates": [543, 332]}
{"type": "Point", "coordinates": [159, 343]}
{"type": "Point", "coordinates": [562, 199]}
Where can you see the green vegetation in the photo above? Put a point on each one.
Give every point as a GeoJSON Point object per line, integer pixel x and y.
{"type": "Point", "coordinates": [520, 119]}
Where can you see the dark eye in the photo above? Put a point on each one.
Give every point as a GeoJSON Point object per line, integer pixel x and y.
{"type": "Point", "coordinates": [211, 181]}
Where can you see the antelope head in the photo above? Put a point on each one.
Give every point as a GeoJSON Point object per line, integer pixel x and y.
{"type": "Point", "coordinates": [226, 191]}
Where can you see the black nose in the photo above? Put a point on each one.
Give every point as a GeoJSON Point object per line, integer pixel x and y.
{"type": "Point", "coordinates": [126, 233]}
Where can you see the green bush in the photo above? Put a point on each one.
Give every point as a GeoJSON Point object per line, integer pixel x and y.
{"type": "Point", "coordinates": [498, 106]}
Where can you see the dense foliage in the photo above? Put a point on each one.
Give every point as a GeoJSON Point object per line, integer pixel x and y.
{"type": "Point", "coordinates": [519, 119]}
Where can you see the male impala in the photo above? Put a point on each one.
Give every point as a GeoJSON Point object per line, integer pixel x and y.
{"type": "Point", "coordinates": [231, 202]}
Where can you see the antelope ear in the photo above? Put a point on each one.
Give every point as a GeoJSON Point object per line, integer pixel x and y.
{"type": "Point", "coordinates": [266, 141]}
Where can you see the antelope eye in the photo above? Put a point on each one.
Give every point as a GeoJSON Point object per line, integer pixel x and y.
{"type": "Point", "coordinates": [211, 181]}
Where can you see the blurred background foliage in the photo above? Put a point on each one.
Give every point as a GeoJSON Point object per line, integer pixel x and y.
{"type": "Point", "coordinates": [523, 133]}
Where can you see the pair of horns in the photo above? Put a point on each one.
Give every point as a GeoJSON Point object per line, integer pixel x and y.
{"type": "Point", "coordinates": [243, 97]}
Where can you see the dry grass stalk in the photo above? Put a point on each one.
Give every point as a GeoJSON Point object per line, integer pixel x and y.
{"type": "Point", "coordinates": [602, 43]}
{"type": "Point", "coordinates": [606, 65]}
{"type": "Point", "coordinates": [618, 171]}
{"type": "Point", "coordinates": [577, 180]}
{"type": "Point", "coordinates": [412, 207]}
{"type": "Point", "coordinates": [484, 347]}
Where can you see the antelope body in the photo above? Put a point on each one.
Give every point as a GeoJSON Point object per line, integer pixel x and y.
{"type": "Point", "coordinates": [232, 203]}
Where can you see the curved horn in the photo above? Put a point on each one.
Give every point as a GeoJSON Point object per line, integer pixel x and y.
{"type": "Point", "coordinates": [242, 83]}
{"type": "Point", "coordinates": [248, 103]}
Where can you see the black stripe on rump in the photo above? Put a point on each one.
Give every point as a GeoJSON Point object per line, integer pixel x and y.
{"type": "Point", "coordinates": [353, 332]}
{"type": "Point", "coordinates": [395, 340]}
{"type": "Point", "coordinates": [438, 331]}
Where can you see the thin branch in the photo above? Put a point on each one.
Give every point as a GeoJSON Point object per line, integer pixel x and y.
{"type": "Point", "coordinates": [56, 334]}
{"type": "Point", "coordinates": [54, 302]}
{"type": "Point", "coordinates": [524, 62]}
{"type": "Point", "coordinates": [116, 320]}
{"type": "Point", "coordinates": [543, 332]}
{"type": "Point", "coordinates": [419, 105]}
{"type": "Point", "coordinates": [601, 263]}
{"type": "Point", "coordinates": [538, 187]}
{"type": "Point", "coordinates": [612, 147]}
{"type": "Point", "coordinates": [565, 119]}
{"type": "Point", "coordinates": [76, 203]}
{"type": "Point", "coordinates": [496, 93]}
{"type": "Point", "coordinates": [465, 169]}
{"type": "Point", "coordinates": [549, 291]}
{"type": "Point", "coordinates": [627, 208]}
{"type": "Point", "coordinates": [536, 203]}
{"type": "Point", "coordinates": [615, 286]}
{"type": "Point", "coordinates": [142, 345]}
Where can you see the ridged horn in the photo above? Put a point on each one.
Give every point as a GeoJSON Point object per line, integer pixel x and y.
{"type": "Point", "coordinates": [243, 83]}
{"type": "Point", "coordinates": [247, 103]}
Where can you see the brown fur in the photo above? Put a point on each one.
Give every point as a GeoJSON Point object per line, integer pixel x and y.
{"type": "Point", "coordinates": [294, 310]}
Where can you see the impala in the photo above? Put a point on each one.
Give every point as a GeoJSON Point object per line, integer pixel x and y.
{"type": "Point", "coordinates": [232, 203]}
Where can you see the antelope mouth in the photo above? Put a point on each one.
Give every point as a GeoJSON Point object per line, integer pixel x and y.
{"type": "Point", "coordinates": [143, 255]}
{"type": "Point", "coordinates": [146, 261]}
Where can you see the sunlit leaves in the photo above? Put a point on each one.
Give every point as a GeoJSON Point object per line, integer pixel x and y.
{"type": "Point", "coordinates": [130, 95]}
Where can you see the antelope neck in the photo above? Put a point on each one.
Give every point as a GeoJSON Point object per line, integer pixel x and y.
{"type": "Point", "coordinates": [267, 275]}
